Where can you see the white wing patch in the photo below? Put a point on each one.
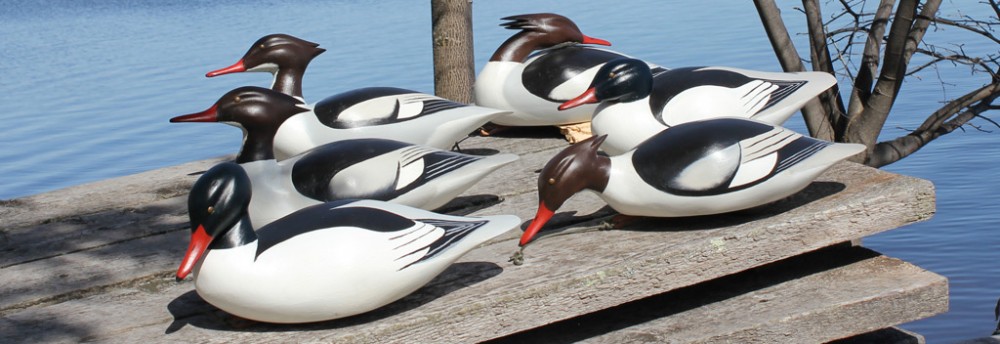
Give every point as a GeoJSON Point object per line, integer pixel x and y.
{"type": "Point", "coordinates": [412, 105]}
{"type": "Point", "coordinates": [709, 171]}
{"type": "Point", "coordinates": [415, 244]}
{"type": "Point", "coordinates": [573, 87]}
{"type": "Point", "coordinates": [753, 170]}
{"type": "Point", "coordinates": [760, 155]}
{"type": "Point", "coordinates": [410, 170]}
{"type": "Point", "coordinates": [755, 96]}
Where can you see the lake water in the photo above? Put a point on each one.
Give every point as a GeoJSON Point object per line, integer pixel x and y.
{"type": "Point", "coordinates": [87, 87]}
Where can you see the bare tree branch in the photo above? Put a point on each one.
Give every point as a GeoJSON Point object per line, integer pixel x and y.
{"type": "Point", "coordinates": [965, 26]}
{"type": "Point", "coordinates": [907, 29]}
{"type": "Point", "coordinates": [956, 57]}
{"type": "Point", "coordinates": [885, 63]}
{"type": "Point", "coordinates": [952, 116]}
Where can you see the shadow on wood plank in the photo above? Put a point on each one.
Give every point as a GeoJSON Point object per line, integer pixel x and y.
{"type": "Point", "coordinates": [567, 221]}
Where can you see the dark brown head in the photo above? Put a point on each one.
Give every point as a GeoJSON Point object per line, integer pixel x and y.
{"type": "Point", "coordinates": [539, 31]}
{"type": "Point", "coordinates": [256, 110]}
{"type": "Point", "coordinates": [575, 169]}
{"type": "Point", "coordinates": [286, 57]}
{"type": "Point", "coordinates": [272, 53]}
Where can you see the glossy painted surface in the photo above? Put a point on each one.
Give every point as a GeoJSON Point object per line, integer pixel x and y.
{"type": "Point", "coordinates": [85, 100]}
{"type": "Point", "coordinates": [323, 262]}
{"type": "Point", "coordinates": [695, 168]}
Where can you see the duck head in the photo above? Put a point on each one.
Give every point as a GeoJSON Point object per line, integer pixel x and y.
{"type": "Point", "coordinates": [539, 31]}
{"type": "Point", "coordinates": [622, 80]}
{"type": "Point", "coordinates": [284, 56]}
{"type": "Point", "coordinates": [575, 169]}
{"type": "Point", "coordinates": [216, 205]}
{"type": "Point", "coordinates": [257, 111]}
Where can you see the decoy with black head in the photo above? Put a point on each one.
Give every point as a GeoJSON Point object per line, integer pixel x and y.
{"type": "Point", "coordinates": [637, 102]}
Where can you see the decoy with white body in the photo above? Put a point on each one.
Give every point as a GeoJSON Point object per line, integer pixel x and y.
{"type": "Point", "coordinates": [637, 102]}
{"type": "Point", "coordinates": [381, 112]}
{"type": "Point", "coordinates": [533, 85]}
{"type": "Point", "coordinates": [323, 262]}
{"type": "Point", "coordinates": [695, 168]}
{"type": "Point", "coordinates": [378, 169]}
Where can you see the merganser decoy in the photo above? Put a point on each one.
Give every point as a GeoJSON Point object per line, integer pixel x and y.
{"type": "Point", "coordinates": [323, 262]}
{"type": "Point", "coordinates": [534, 86]}
{"type": "Point", "coordinates": [379, 169]}
{"type": "Point", "coordinates": [637, 103]}
{"type": "Point", "coordinates": [695, 168]}
{"type": "Point", "coordinates": [379, 112]}
{"type": "Point", "coordinates": [284, 56]}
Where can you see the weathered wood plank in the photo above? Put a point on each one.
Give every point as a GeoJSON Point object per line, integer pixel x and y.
{"type": "Point", "coordinates": [785, 302]}
{"type": "Point", "coordinates": [565, 276]}
{"type": "Point", "coordinates": [113, 194]}
{"type": "Point", "coordinates": [815, 297]}
{"type": "Point", "coordinates": [102, 213]}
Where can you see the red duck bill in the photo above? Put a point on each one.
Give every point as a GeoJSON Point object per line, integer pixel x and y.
{"type": "Point", "coordinates": [210, 115]}
{"type": "Point", "coordinates": [588, 97]}
{"type": "Point", "coordinates": [541, 218]}
{"type": "Point", "coordinates": [592, 40]}
{"type": "Point", "coordinates": [238, 67]}
{"type": "Point", "coordinates": [199, 243]}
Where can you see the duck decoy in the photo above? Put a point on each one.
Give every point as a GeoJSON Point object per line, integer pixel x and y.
{"type": "Point", "coordinates": [379, 169]}
{"type": "Point", "coordinates": [383, 112]}
{"type": "Point", "coordinates": [284, 56]}
{"type": "Point", "coordinates": [637, 103]}
{"type": "Point", "coordinates": [533, 85]}
{"type": "Point", "coordinates": [323, 262]}
{"type": "Point", "coordinates": [695, 168]}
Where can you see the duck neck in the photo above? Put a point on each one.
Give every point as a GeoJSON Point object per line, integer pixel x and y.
{"type": "Point", "coordinates": [289, 81]}
{"type": "Point", "coordinates": [257, 145]}
{"type": "Point", "coordinates": [602, 173]}
{"type": "Point", "coordinates": [517, 47]}
{"type": "Point", "coordinates": [241, 234]}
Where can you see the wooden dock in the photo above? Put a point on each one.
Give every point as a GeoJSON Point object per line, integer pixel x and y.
{"type": "Point", "coordinates": [96, 263]}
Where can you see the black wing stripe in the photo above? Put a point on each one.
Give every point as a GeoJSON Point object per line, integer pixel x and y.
{"type": "Point", "coordinates": [427, 230]}
{"type": "Point", "coordinates": [785, 88]}
{"type": "Point", "coordinates": [760, 98]}
{"type": "Point", "coordinates": [448, 165]}
{"type": "Point", "coordinates": [438, 105]}
{"type": "Point", "coordinates": [814, 147]}
{"type": "Point", "coordinates": [783, 141]}
{"type": "Point", "coordinates": [454, 231]}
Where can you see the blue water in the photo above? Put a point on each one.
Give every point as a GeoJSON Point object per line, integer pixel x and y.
{"type": "Point", "coordinates": [87, 87]}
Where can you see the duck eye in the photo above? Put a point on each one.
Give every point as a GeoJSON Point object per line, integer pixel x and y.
{"type": "Point", "coordinates": [210, 209]}
{"type": "Point", "coordinates": [612, 74]}
{"type": "Point", "coordinates": [261, 45]}
{"type": "Point", "coordinates": [236, 99]}
{"type": "Point", "coordinates": [552, 181]}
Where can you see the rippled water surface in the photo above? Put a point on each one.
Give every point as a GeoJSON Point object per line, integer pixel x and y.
{"type": "Point", "coordinates": [87, 87]}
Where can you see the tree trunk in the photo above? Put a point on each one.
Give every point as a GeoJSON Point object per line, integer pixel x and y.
{"type": "Point", "coordinates": [813, 112]}
{"type": "Point", "coordinates": [454, 71]}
